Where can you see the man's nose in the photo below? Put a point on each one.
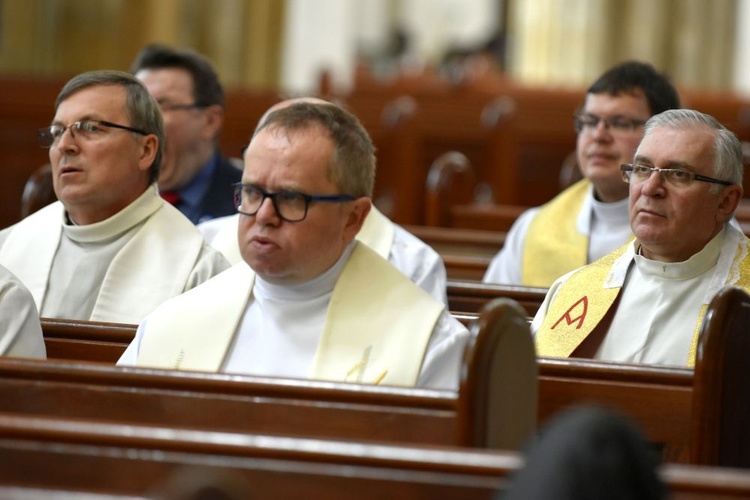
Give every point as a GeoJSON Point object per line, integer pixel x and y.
{"type": "Point", "coordinates": [267, 211]}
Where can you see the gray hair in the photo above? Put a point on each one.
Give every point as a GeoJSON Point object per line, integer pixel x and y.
{"type": "Point", "coordinates": [142, 109]}
{"type": "Point", "coordinates": [728, 158]}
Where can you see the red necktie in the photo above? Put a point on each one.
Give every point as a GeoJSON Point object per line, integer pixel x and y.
{"type": "Point", "coordinates": [171, 197]}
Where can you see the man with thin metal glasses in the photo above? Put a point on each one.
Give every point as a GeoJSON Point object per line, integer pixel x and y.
{"type": "Point", "coordinates": [413, 257]}
{"type": "Point", "coordinates": [590, 218]}
{"type": "Point", "coordinates": [309, 301]}
{"type": "Point", "coordinates": [195, 177]}
{"type": "Point", "coordinates": [110, 249]}
{"type": "Point", "coordinates": [644, 302]}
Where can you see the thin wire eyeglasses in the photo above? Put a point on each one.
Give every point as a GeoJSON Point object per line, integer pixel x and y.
{"type": "Point", "coordinates": [634, 173]}
{"type": "Point", "coordinates": [88, 129]}
{"type": "Point", "coordinates": [586, 122]}
{"type": "Point", "coordinates": [290, 206]}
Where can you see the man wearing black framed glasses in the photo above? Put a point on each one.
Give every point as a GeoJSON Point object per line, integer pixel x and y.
{"type": "Point", "coordinates": [195, 177]}
{"type": "Point", "coordinates": [410, 255]}
{"type": "Point", "coordinates": [590, 218]}
{"type": "Point", "coordinates": [309, 301]}
{"type": "Point", "coordinates": [110, 249]}
{"type": "Point", "coordinates": [644, 302]}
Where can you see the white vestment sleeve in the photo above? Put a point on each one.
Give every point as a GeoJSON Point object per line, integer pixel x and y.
{"type": "Point", "coordinates": [505, 267]}
{"type": "Point", "coordinates": [420, 262]}
{"type": "Point", "coordinates": [20, 330]}
{"type": "Point", "coordinates": [442, 363]}
{"type": "Point", "coordinates": [130, 356]}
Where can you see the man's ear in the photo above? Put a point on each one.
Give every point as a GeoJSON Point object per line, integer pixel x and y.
{"type": "Point", "coordinates": [357, 215]}
{"type": "Point", "coordinates": [149, 147]}
{"type": "Point", "coordinates": [730, 199]}
{"type": "Point", "coordinates": [214, 119]}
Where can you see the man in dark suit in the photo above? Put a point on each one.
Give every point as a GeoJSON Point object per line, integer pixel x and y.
{"type": "Point", "coordinates": [195, 177]}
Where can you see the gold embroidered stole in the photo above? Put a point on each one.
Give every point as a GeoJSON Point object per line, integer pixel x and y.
{"type": "Point", "coordinates": [742, 267]}
{"type": "Point", "coordinates": [553, 245]}
{"type": "Point", "coordinates": [579, 306]}
{"type": "Point", "coordinates": [363, 340]}
{"type": "Point", "coordinates": [377, 233]}
{"type": "Point", "coordinates": [583, 301]}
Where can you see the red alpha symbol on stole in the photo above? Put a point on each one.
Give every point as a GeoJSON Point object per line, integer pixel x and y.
{"type": "Point", "coordinates": [568, 315]}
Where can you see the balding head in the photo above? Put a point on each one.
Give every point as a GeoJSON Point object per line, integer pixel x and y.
{"type": "Point", "coordinates": [352, 165]}
{"type": "Point", "coordinates": [285, 104]}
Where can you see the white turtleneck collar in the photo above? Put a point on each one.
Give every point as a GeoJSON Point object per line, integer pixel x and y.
{"type": "Point", "coordinates": [124, 220]}
{"type": "Point", "coordinates": [320, 285]}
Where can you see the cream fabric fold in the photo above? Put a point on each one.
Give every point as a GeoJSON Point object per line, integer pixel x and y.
{"type": "Point", "coordinates": [368, 341]}
{"type": "Point", "coordinates": [377, 232]}
{"type": "Point", "coordinates": [139, 278]}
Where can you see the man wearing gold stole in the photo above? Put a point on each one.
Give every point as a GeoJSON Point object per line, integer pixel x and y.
{"type": "Point", "coordinates": [590, 218]}
{"type": "Point", "coordinates": [308, 300]}
{"type": "Point", "coordinates": [644, 302]}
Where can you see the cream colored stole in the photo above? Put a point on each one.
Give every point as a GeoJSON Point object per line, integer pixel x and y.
{"type": "Point", "coordinates": [31, 246]}
{"type": "Point", "coordinates": [152, 267]}
{"type": "Point", "coordinates": [367, 341]}
{"type": "Point", "coordinates": [377, 232]}
{"type": "Point", "coordinates": [553, 245]}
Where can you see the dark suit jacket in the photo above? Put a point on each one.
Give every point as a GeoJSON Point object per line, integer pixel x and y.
{"type": "Point", "coordinates": [218, 200]}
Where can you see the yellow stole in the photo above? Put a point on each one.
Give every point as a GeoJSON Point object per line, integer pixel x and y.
{"type": "Point", "coordinates": [577, 308]}
{"type": "Point", "coordinates": [363, 340]}
{"type": "Point", "coordinates": [553, 245]}
{"type": "Point", "coordinates": [583, 301]}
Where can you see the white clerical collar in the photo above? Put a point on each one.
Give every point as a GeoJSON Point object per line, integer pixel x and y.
{"type": "Point", "coordinates": [611, 213]}
{"type": "Point", "coordinates": [608, 214]}
{"type": "Point", "coordinates": [696, 265]}
{"type": "Point", "coordinates": [135, 213]}
{"type": "Point", "coordinates": [316, 287]}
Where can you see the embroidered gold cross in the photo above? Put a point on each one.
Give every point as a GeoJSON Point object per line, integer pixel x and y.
{"type": "Point", "coordinates": [360, 367]}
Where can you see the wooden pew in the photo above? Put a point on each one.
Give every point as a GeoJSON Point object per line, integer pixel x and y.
{"type": "Point", "coordinates": [466, 253]}
{"type": "Point", "coordinates": [86, 340]}
{"type": "Point", "coordinates": [699, 414]}
{"type": "Point", "coordinates": [498, 366]}
{"type": "Point", "coordinates": [103, 342]}
{"type": "Point", "coordinates": [686, 411]}
{"type": "Point", "coordinates": [60, 455]}
{"type": "Point", "coordinates": [658, 398]}
{"type": "Point", "coordinates": [515, 136]}
{"type": "Point", "coordinates": [469, 296]}
{"type": "Point", "coordinates": [722, 384]}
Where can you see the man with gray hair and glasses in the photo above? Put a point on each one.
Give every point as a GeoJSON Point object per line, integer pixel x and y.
{"type": "Point", "coordinates": [110, 249]}
{"type": "Point", "coordinates": [308, 300]}
{"type": "Point", "coordinates": [644, 302]}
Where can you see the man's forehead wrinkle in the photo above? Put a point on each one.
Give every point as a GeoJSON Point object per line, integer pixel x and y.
{"type": "Point", "coordinates": [641, 158]}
